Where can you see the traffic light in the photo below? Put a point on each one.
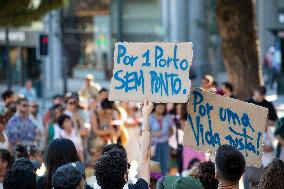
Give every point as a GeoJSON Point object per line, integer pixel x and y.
{"type": "Point", "coordinates": [43, 44]}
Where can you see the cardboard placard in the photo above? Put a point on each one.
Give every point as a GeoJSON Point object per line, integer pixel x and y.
{"type": "Point", "coordinates": [156, 71]}
{"type": "Point", "coordinates": [214, 120]}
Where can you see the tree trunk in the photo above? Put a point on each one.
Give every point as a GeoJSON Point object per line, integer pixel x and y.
{"type": "Point", "coordinates": [8, 66]}
{"type": "Point", "coordinates": [237, 27]}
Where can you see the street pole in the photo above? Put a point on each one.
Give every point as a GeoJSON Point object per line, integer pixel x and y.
{"type": "Point", "coordinates": [64, 53]}
{"type": "Point", "coordinates": [8, 69]}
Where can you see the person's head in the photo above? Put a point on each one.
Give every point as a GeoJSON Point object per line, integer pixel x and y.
{"type": "Point", "coordinates": [29, 84]}
{"type": "Point", "coordinates": [56, 112]}
{"type": "Point", "coordinates": [20, 178]}
{"type": "Point", "coordinates": [107, 106]}
{"type": "Point", "coordinates": [3, 122]}
{"type": "Point", "coordinates": [175, 182]}
{"type": "Point", "coordinates": [23, 106]}
{"type": "Point", "coordinates": [160, 109]}
{"type": "Point", "coordinates": [110, 147]}
{"type": "Point", "coordinates": [34, 108]}
{"type": "Point", "coordinates": [71, 103]}
{"type": "Point", "coordinates": [207, 82]}
{"type": "Point", "coordinates": [20, 151]}
{"type": "Point", "coordinates": [24, 163]}
{"type": "Point", "coordinates": [227, 88]}
{"type": "Point", "coordinates": [34, 154]}
{"type": "Point", "coordinates": [193, 163]}
{"type": "Point", "coordinates": [206, 175]}
{"type": "Point", "coordinates": [230, 164]}
{"type": "Point", "coordinates": [104, 93]}
{"type": "Point", "coordinates": [8, 97]}
{"type": "Point", "coordinates": [259, 93]}
{"type": "Point", "coordinates": [60, 152]}
{"type": "Point", "coordinates": [69, 176]}
{"type": "Point", "coordinates": [65, 122]}
{"type": "Point", "coordinates": [111, 170]}
{"type": "Point", "coordinates": [88, 80]}
{"type": "Point", "coordinates": [6, 161]}
{"type": "Point", "coordinates": [57, 99]}
{"type": "Point", "coordinates": [273, 175]}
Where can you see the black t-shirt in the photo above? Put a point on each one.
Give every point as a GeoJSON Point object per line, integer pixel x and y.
{"type": "Point", "coordinates": [272, 115]}
{"type": "Point", "coordinates": [140, 184]}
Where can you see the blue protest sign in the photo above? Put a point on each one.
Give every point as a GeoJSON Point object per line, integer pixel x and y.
{"type": "Point", "coordinates": [156, 71]}
{"type": "Point", "coordinates": [214, 120]}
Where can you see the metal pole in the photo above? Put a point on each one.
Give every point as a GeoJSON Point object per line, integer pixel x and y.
{"type": "Point", "coordinates": [8, 69]}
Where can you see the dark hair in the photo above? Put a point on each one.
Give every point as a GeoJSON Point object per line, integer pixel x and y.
{"type": "Point", "coordinates": [61, 119]}
{"type": "Point", "coordinates": [163, 104]}
{"type": "Point", "coordinates": [60, 152]}
{"type": "Point", "coordinates": [110, 147]}
{"type": "Point", "coordinates": [20, 179]}
{"type": "Point", "coordinates": [261, 90]}
{"type": "Point", "coordinates": [106, 104]}
{"type": "Point", "coordinates": [192, 162]}
{"type": "Point", "coordinates": [57, 96]}
{"type": "Point", "coordinates": [230, 163]}
{"type": "Point", "coordinates": [3, 119]}
{"type": "Point", "coordinates": [103, 90]}
{"type": "Point", "coordinates": [110, 169]}
{"type": "Point", "coordinates": [5, 155]}
{"type": "Point", "coordinates": [206, 175]}
{"type": "Point", "coordinates": [21, 99]}
{"type": "Point", "coordinates": [6, 94]}
{"type": "Point", "coordinates": [33, 150]}
{"type": "Point", "coordinates": [20, 151]}
{"type": "Point", "coordinates": [228, 86]}
{"type": "Point", "coordinates": [273, 175]}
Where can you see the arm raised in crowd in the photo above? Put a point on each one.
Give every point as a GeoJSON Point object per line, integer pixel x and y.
{"type": "Point", "coordinates": [144, 160]}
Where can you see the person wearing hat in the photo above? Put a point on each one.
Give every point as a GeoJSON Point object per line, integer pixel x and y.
{"type": "Point", "coordinates": [90, 89]}
{"type": "Point", "coordinates": [176, 182]}
{"type": "Point", "coordinates": [70, 176]}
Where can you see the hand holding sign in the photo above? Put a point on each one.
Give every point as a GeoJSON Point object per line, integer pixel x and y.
{"type": "Point", "coordinates": [156, 71]}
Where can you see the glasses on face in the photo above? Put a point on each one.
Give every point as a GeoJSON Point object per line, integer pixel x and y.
{"type": "Point", "coordinates": [25, 105]}
{"type": "Point", "coordinates": [72, 102]}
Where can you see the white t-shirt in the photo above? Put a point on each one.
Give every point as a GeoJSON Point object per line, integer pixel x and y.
{"type": "Point", "coordinates": [268, 138]}
{"type": "Point", "coordinates": [4, 145]}
{"type": "Point", "coordinates": [75, 138]}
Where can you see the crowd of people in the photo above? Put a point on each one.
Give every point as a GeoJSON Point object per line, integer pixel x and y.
{"type": "Point", "coordinates": [84, 130]}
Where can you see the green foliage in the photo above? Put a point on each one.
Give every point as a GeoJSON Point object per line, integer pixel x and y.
{"type": "Point", "coordinates": [15, 13]}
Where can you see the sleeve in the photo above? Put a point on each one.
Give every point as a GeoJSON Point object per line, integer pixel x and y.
{"type": "Point", "coordinates": [12, 132]}
{"type": "Point", "coordinates": [140, 184]}
{"type": "Point", "coordinates": [166, 128]}
{"type": "Point", "coordinates": [272, 115]}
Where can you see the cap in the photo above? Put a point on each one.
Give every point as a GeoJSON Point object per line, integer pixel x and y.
{"type": "Point", "coordinates": [175, 182]}
{"type": "Point", "coordinates": [68, 175]}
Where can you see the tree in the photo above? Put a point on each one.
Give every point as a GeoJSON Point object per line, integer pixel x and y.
{"type": "Point", "coordinates": [237, 27]}
{"type": "Point", "coordinates": [15, 13]}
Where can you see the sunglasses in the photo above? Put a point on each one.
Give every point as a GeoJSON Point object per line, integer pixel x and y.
{"type": "Point", "coordinates": [25, 105]}
{"type": "Point", "coordinates": [72, 102]}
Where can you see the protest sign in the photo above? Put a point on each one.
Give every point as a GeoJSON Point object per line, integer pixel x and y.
{"type": "Point", "coordinates": [156, 71]}
{"type": "Point", "coordinates": [214, 120]}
